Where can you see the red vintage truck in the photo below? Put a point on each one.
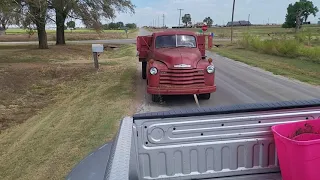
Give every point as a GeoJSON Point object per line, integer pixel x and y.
{"type": "Point", "coordinates": [174, 63]}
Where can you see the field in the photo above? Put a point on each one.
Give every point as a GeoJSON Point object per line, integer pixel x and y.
{"type": "Point", "coordinates": [53, 108]}
{"type": "Point", "coordinates": [294, 55]}
{"type": "Point", "coordinates": [14, 35]}
{"type": "Point", "coordinates": [261, 31]}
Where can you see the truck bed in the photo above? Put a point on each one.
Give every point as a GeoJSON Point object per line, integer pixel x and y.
{"type": "Point", "coordinates": [220, 143]}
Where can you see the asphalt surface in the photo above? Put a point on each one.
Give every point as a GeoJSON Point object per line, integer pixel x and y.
{"type": "Point", "coordinates": [237, 83]}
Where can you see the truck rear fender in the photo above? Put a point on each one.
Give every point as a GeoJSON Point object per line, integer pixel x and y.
{"type": "Point", "coordinates": [202, 44]}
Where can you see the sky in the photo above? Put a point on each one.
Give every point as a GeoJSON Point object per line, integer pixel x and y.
{"type": "Point", "coordinates": [261, 11]}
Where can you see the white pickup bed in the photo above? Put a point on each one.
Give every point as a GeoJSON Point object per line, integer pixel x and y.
{"type": "Point", "coordinates": [223, 143]}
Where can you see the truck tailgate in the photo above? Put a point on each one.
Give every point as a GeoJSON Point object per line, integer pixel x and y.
{"type": "Point", "coordinates": [221, 142]}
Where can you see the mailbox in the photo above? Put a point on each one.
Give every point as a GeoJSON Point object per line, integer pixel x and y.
{"type": "Point", "coordinates": [97, 48]}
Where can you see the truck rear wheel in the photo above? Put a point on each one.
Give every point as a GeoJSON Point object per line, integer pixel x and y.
{"type": "Point", "coordinates": [144, 70]}
{"type": "Point", "coordinates": [205, 96]}
{"type": "Point", "coordinates": [156, 98]}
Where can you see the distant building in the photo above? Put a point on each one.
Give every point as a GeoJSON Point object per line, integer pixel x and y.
{"type": "Point", "coordinates": [319, 22]}
{"type": "Point", "coordinates": [199, 24]}
{"type": "Point", "coordinates": [239, 23]}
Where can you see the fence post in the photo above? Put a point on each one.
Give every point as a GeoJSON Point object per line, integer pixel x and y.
{"type": "Point", "coordinates": [95, 60]}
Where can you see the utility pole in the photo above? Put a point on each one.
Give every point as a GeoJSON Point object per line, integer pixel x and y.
{"type": "Point", "coordinates": [163, 20]}
{"type": "Point", "coordinates": [234, 2]}
{"type": "Point", "coordinates": [248, 20]}
{"type": "Point", "coordinates": [180, 15]}
{"type": "Point", "coordinates": [158, 21]}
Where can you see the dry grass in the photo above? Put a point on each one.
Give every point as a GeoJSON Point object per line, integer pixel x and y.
{"type": "Point", "coordinates": [83, 112]}
{"type": "Point", "coordinates": [75, 36]}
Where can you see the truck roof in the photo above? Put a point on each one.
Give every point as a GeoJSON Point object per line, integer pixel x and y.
{"type": "Point", "coordinates": [170, 32]}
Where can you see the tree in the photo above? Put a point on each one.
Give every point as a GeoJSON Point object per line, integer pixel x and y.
{"type": "Point", "coordinates": [8, 14]}
{"type": "Point", "coordinates": [310, 9]}
{"type": "Point", "coordinates": [113, 25]}
{"type": "Point", "coordinates": [209, 21]}
{"type": "Point", "coordinates": [186, 19]}
{"type": "Point", "coordinates": [34, 12]}
{"type": "Point", "coordinates": [71, 25]}
{"type": "Point", "coordinates": [89, 11]}
{"type": "Point", "coordinates": [120, 24]}
{"type": "Point", "coordinates": [131, 25]}
{"type": "Point", "coordinates": [105, 26]}
{"type": "Point", "coordinates": [298, 12]}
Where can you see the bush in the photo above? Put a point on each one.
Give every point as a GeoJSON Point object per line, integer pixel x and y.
{"type": "Point", "coordinates": [312, 53]}
{"type": "Point", "coordinates": [280, 47]}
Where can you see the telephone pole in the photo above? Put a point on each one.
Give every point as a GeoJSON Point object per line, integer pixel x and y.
{"type": "Point", "coordinates": [158, 21]}
{"type": "Point", "coordinates": [248, 20]}
{"type": "Point", "coordinates": [180, 15]}
{"type": "Point", "coordinates": [234, 2]}
{"type": "Point", "coordinates": [163, 20]}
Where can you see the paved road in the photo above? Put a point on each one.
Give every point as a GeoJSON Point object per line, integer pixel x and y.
{"type": "Point", "coordinates": [236, 83]}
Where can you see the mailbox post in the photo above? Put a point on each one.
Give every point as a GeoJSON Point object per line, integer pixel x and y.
{"type": "Point", "coordinates": [96, 49]}
{"type": "Point", "coordinates": [126, 30]}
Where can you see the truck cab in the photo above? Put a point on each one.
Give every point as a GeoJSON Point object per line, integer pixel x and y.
{"type": "Point", "coordinates": [174, 63]}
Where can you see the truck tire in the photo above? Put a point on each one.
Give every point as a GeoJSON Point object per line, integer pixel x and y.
{"type": "Point", "coordinates": [205, 96]}
{"type": "Point", "coordinates": [144, 70]}
{"type": "Point", "coordinates": [156, 98]}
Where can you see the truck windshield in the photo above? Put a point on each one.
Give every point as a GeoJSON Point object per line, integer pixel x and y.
{"type": "Point", "coordinates": [168, 41]}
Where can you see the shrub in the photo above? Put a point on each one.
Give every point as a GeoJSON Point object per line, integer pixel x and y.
{"type": "Point", "coordinates": [281, 46]}
{"type": "Point", "coordinates": [312, 53]}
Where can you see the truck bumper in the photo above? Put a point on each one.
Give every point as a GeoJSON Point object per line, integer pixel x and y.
{"type": "Point", "coordinates": [176, 91]}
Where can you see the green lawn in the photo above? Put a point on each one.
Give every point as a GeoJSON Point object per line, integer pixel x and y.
{"type": "Point", "coordinates": [300, 69]}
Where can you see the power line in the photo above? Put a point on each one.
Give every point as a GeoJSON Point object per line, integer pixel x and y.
{"type": "Point", "coordinates": [180, 15]}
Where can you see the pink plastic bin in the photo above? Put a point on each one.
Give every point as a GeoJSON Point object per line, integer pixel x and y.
{"type": "Point", "coordinates": [298, 149]}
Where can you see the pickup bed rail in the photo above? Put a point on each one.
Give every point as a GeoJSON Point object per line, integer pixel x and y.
{"type": "Point", "coordinates": [221, 143]}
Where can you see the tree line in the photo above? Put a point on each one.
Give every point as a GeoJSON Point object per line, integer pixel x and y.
{"type": "Point", "coordinates": [35, 14]}
{"type": "Point", "coordinates": [186, 19]}
{"type": "Point", "coordinates": [119, 25]}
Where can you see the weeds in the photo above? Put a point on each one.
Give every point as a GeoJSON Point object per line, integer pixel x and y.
{"type": "Point", "coordinates": [283, 46]}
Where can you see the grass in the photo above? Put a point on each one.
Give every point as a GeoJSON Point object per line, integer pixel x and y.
{"type": "Point", "coordinates": [283, 46]}
{"type": "Point", "coordinates": [18, 35]}
{"type": "Point", "coordinates": [79, 30]}
{"type": "Point", "coordinates": [297, 68]}
{"type": "Point", "coordinates": [84, 114]}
